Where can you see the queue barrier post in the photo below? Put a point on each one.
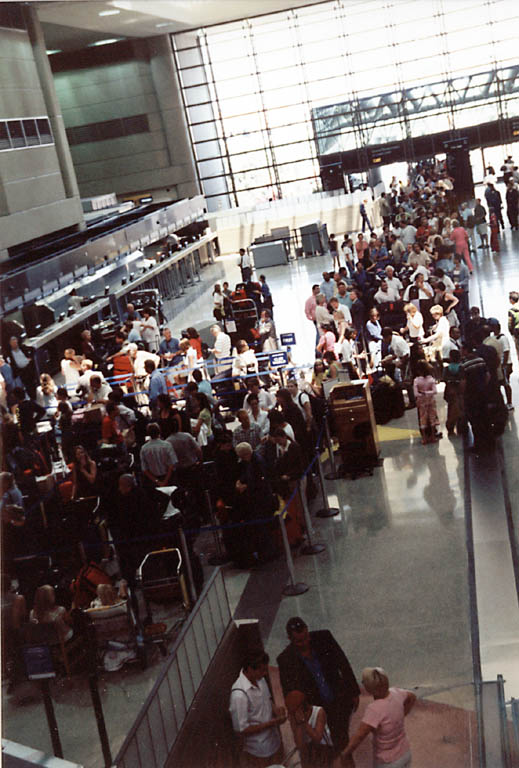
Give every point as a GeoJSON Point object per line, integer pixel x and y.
{"type": "Point", "coordinates": [333, 475]}
{"type": "Point", "coordinates": [187, 560]}
{"type": "Point", "coordinates": [326, 510]}
{"type": "Point", "coordinates": [311, 548]}
{"type": "Point", "coordinates": [219, 558]}
{"type": "Point", "coordinates": [292, 588]}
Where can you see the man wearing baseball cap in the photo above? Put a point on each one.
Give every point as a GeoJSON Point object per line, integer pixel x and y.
{"type": "Point", "coordinates": [314, 663]}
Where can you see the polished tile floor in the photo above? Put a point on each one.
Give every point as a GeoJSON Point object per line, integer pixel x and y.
{"type": "Point", "coordinates": [393, 582]}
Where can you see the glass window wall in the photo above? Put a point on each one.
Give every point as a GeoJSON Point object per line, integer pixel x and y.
{"type": "Point", "coordinates": [269, 95]}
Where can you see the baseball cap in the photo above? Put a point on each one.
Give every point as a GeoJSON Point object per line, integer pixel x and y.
{"type": "Point", "coordinates": [295, 624]}
{"type": "Point", "coordinates": [492, 321]}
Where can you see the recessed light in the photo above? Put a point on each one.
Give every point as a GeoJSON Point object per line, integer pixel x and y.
{"type": "Point", "coordinates": [56, 50]}
{"type": "Point", "coordinates": [164, 24]}
{"type": "Point", "coordinates": [113, 12]}
{"type": "Point", "coordinates": [105, 42]}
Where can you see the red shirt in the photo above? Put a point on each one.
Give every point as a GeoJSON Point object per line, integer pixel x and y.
{"type": "Point", "coordinates": [110, 431]}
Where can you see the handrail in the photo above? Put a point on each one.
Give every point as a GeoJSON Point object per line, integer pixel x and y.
{"type": "Point", "coordinates": [160, 720]}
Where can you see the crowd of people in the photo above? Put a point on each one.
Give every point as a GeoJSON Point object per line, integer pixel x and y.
{"type": "Point", "coordinates": [321, 693]}
{"type": "Point", "coordinates": [156, 410]}
{"type": "Point", "coordinates": [396, 309]}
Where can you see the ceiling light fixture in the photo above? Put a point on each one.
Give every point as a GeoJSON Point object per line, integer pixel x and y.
{"type": "Point", "coordinates": [56, 50]}
{"type": "Point", "coordinates": [164, 24]}
{"type": "Point", "coordinates": [105, 42]}
{"type": "Point", "coordinates": [113, 12]}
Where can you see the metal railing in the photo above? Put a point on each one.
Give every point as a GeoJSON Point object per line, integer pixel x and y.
{"type": "Point", "coordinates": [164, 712]}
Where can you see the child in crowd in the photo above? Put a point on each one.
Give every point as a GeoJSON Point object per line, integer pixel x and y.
{"type": "Point", "coordinates": [424, 387]}
{"type": "Point", "coordinates": [494, 233]}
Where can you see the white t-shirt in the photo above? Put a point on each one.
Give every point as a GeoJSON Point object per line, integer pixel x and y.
{"type": "Point", "coordinates": [249, 705]}
{"type": "Point", "coordinates": [390, 295]}
{"type": "Point", "coordinates": [150, 335]}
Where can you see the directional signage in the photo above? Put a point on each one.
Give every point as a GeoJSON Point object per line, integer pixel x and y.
{"type": "Point", "coordinates": [277, 359]}
{"type": "Point", "coordinates": [287, 339]}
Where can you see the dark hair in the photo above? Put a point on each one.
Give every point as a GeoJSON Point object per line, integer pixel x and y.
{"type": "Point", "coordinates": [387, 331]}
{"type": "Point", "coordinates": [278, 432]}
{"type": "Point", "coordinates": [455, 356]}
{"type": "Point", "coordinates": [253, 382]}
{"type": "Point", "coordinates": [149, 366]}
{"type": "Point", "coordinates": [61, 391]}
{"type": "Point", "coordinates": [284, 397]}
{"type": "Point", "coordinates": [19, 393]}
{"type": "Point", "coordinates": [197, 375]}
{"type": "Point", "coordinates": [423, 368]}
{"type": "Point", "coordinates": [255, 658]}
{"type": "Point", "coordinates": [202, 399]}
{"type": "Point", "coordinates": [329, 357]}
{"type": "Point", "coordinates": [110, 407]}
{"type": "Point", "coordinates": [192, 333]}
{"type": "Point", "coordinates": [153, 430]}
{"type": "Point", "coordinates": [252, 399]}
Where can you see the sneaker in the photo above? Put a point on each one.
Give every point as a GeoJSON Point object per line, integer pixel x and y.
{"type": "Point", "coordinates": [509, 407]}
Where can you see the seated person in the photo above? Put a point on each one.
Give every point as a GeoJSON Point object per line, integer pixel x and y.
{"type": "Point", "coordinates": [98, 390]}
{"type": "Point", "coordinates": [45, 611]}
{"type": "Point", "coordinates": [108, 596]}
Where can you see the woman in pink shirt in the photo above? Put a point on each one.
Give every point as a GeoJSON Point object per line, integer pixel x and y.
{"type": "Point", "coordinates": [384, 718]}
{"type": "Point", "coordinates": [460, 239]}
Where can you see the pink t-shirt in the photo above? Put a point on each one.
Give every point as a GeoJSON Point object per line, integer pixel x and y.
{"type": "Point", "coordinates": [386, 716]}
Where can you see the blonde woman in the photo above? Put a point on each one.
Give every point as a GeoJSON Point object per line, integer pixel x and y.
{"type": "Point", "coordinates": [45, 611]}
{"type": "Point", "coordinates": [384, 720]}
{"type": "Point", "coordinates": [46, 395]}
{"type": "Point", "coordinates": [71, 369]}
{"type": "Point", "coordinates": [414, 325]}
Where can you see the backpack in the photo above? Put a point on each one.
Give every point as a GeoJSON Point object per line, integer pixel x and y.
{"type": "Point", "coordinates": [84, 586]}
{"type": "Point", "coordinates": [513, 314]}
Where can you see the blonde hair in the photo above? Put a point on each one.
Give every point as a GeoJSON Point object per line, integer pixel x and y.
{"type": "Point", "coordinates": [184, 345]}
{"type": "Point", "coordinates": [436, 309]}
{"type": "Point", "coordinates": [44, 601]}
{"type": "Point", "coordinates": [107, 594]}
{"type": "Point", "coordinates": [375, 680]}
{"type": "Point", "coordinates": [409, 307]}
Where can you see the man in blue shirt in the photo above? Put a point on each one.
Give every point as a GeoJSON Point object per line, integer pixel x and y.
{"type": "Point", "coordinates": [169, 349]}
{"type": "Point", "coordinates": [157, 384]}
{"type": "Point", "coordinates": [327, 287]}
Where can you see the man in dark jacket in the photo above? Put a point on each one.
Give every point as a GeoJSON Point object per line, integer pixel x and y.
{"type": "Point", "coordinates": [315, 664]}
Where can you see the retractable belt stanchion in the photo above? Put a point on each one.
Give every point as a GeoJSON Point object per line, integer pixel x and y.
{"type": "Point", "coordinates": [333, 475]}
{"type": "Point", "coordinates": [293, 587]}
{"type": "Point", "coordinates": [189, 570]}
{"type": "Point", "coordinates": [326, 510]}
{"type": "Point", "coordinates": [219, 558]}
{"type": "Point", "coordinates": [310, 548]}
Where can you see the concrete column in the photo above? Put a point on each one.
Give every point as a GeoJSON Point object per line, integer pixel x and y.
{"type": "Point", "coordinates": [167, 89]}
{"type": "Point", "coordinates": [52, 104]}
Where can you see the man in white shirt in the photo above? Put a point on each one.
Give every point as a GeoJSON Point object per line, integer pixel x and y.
{"type": "Point", "coordinates": [150, 330]}
{"type": "Point", "coordinates": [423, 288]}
{"type": "Point", "coordinates": [322, 316]}
{"type": "Point", "coordinates": [392, 280]}
{"type": "Point", "coordinates": [418, 256]}
{"type": "Point", "coordinates": [397, 247]}
{"type": "Point", "coordinates": [158, 458]}
{"type": "Point", "coordinates": [245, 265]}
{"type": "Point", "coordinates": [265, 399]}
{"type": "Point", "coordinates": [419, 270]}
{"type": "Point", "coordinates": [408, 235]}
{"type": "Point", "coordinates": [386, 294]}
{"type": "Point", "coordinates": [221, 351]}
{"type": "Point", "coordinates": [254, 717]}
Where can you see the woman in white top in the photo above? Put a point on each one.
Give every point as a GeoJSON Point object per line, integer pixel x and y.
{"type": "Point", "coordinates": [46, 395]}
{"type": "Point", "coordinates": [414, 323]}
{"type": "Point", "coordinates": [190, 360]}
{"type": "Point", "coordinates": [218, 301]}
{"type": "Point", "coordinates": [439, 336]}
{"type": "Point", "coordinates": [245, 361]}
{"type": "Point", "coordinates": [71, 369]}
{"type": "Point", "coordinates": [257, 416]}
{"type": "Point", "coordinates": [311, 731]}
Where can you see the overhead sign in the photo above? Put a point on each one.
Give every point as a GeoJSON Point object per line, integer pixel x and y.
{"type": "Point", "coordinates": [287, 339]}
{"type": "Point", "coordinates": [277, 359]}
